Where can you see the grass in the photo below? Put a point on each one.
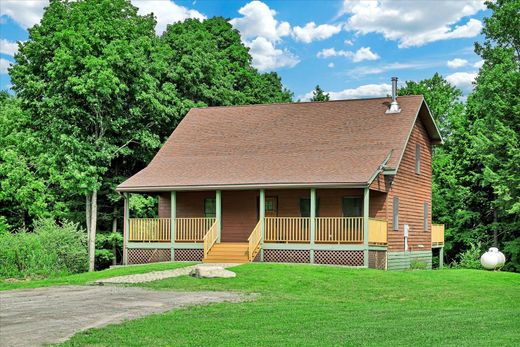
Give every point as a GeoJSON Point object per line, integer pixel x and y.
{"type": "Point", "coordinates": [86, 277]}
{"type": "Point", "coordinates": [304, 305]}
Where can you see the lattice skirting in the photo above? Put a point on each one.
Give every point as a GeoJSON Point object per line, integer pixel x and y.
{"type": "Point", "coordinates": [377, 260]}
{"type": "Point", "coordinates": [188, 254]}
{"type": "Point", "coordinates": [350, 258]}
{"type": "Point", "coordinates": [145, 256]}
{"type": "Point", "coordinates": [286, 256]}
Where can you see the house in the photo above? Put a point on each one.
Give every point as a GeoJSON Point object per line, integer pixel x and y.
{"type": "Point", "coordinates": [343, 182]}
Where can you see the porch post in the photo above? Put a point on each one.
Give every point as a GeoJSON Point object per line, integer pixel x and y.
{"type": "Point", "coordinates": [173, 223]}
{"type": "Point", "coordinates": [126, 229]}
{"type": "Point", "coordinates": [366, 207]}
{"type": "Point", "coordinates": [441, 257]}
{"type": "Point", "coordinates": [218, 214]}
{"type": "Point", "coordinates": [262, 222]}
{"type": "Point", "coordinates": [312, 223]}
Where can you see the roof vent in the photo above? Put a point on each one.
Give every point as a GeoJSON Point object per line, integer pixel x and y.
{"type": "Point", "coordinates": [394, 106]}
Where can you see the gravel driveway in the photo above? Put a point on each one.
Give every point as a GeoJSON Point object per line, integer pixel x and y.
{"type": "Point", "coordinates": [50, 315]}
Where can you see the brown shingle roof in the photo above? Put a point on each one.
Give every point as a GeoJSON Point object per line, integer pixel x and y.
{"type": "Point", "coordinates": [336, 143]}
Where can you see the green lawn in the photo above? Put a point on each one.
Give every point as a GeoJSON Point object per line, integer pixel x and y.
{"type": "Point", "coordinates": [324, 306]}
{"type": "Point", "coordinates": [89, 276]}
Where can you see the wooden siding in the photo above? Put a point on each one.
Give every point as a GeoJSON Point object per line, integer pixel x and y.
{"type": "Point", "coordinates": [377, 206]}
{"type": "Point", "coordinates": [403, 260]}
{"type": "Point", "coordinates": [413, 191]}
{"type": "Point", "coordinates": [239, 214]}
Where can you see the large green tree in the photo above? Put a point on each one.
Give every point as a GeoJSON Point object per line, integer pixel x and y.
{"type": "Point", "coordinates": [319, 95]}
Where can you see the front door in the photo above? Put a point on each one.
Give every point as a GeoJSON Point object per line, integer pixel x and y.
{"type": "Point", "coordinates": [271, 206]}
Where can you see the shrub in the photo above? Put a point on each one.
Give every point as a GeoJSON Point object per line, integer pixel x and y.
{"type": "Point", "coordinates": [417, 264]}
{"type": "Point", "coordinates": [51, 249]}
{"type": "Point", "coordinates": [470, 258]}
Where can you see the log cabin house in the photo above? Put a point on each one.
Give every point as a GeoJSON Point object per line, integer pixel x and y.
{"type": "Point", "coordinates": [345, 182]}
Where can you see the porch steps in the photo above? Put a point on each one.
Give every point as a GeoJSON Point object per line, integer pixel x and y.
{"type": "Point", "coordinates": [228, 252]}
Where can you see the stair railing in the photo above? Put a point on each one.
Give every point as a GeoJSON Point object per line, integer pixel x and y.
{"type": "Point", "coordinates": [210, 238]}
{"type": "Point", "coordinates": [254, 241]}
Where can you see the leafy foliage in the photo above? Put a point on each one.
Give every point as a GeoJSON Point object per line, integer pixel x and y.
{"type": "Point", "coordinates": [319, 95]}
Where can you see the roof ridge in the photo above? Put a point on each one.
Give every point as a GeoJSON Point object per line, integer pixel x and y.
{"type": "Point", "coordinates": [306, 102]}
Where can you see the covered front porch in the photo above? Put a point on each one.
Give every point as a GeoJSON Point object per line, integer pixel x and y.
{"type": "Point", "coordinates": [295, 225]}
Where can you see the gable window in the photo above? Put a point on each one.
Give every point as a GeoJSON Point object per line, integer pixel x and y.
{"type": "Point", "coordinates": [352, 207]}
{"type": "Point", "coordinates": [305, 207]}
{"type": "Point", "coordinates": [426, 212]}
{"type": "Point", "coordinates": [417, 158]}
{"type": "Point", "coordinates": [210, 208]}
{"type": "Point", "coordinates": [395, 221]}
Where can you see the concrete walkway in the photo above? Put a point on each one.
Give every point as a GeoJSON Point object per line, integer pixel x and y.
{"type": "Point", "coordinates": [51, 315]}
{"type": "Point", "coordinates": [156, 275]}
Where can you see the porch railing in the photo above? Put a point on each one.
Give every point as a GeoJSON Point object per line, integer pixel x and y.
{"type": "Point", "coordinates": [192, 229]}
{"type": "Point", "coordinates": [149, 229]}
{"type": "Point", "coordinates": [437, 234]}
{"type": "Point", "coordinates": [377, 232]}
{"type": "Point", "coordinates": [287, 229]}
{"type": "Point", "coordinates": [339, 230]}
{"type": "Point", "coordinates": [210, 238]}
{"type": "Point", "coordinates": [254, 241]}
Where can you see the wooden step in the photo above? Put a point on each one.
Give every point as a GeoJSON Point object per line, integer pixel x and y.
{"type": "Point", "coordinates": [228, 252]}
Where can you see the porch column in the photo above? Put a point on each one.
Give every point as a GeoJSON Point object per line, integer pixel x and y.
{"type": "Point", "coordinates": [262, 222]}
{"type": "Point", "coordinates": [312, 223]}
{"type": "Point", "coordinates": [218, 214]}
{"type": "Point", "coordinates": [173, 223]}
{"type": "Point", "coordinates": [441, 257]}
{"type": "Point", "coordinates": [126, 229]}
{"type": "Point", "coordinates": [366, 206]}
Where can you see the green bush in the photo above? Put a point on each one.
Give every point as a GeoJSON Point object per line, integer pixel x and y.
{"type": "Point", "coordinates": [51, 249]}
{"type": "Point", "coordinates": [416, 264]}
{"type": "Point", "coordinates": [470, 258]}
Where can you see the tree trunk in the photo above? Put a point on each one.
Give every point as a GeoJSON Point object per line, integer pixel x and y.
{"type": "Point", "coordinates": [87, 215]}
{"type": "Point", "coordinates": [114, 230]}
{"type": "Point", "coordinates": [92, 234]}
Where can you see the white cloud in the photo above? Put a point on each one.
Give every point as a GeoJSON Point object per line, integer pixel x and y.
{"type": "Point", "coordinates": [378, 69]}
{"type": "Point", "coordinates": [311, 32]}
{"type": "Point", "coordinates": [462, 80]}
{"type": "Point", "coordinates": [478, 64]}
{"type": "Point", "coordinates": [414, 23]}
{"type": "Point", "coordinates": [331, 65]}
{"type": "Point", "coordinates": [4, 65]}
{"type": "Point", "coordinates": [364, 53]}
{"type": "Point", "coordinates": [364, 91]}
{"type": "Point", "coordinates": [165, 12]}
{"type": "Point", "coordinates": [8, 47]}
{"type": "Point", "coordinates": [26, 13]}
{"type": "Point", "coordinates": [348, 42]}
{"type": "Point", "coordinates": [456, 63]}
{"type": "Point", "coordinates": [267, 57]}
{"type": "Point", "coordinates": [258, 20]}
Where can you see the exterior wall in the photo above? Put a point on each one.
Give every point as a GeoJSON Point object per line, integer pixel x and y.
{"type": "Point", "coordinates": [403, 260]}
{"type": "Point", "coordinates": [413, 191]}
{"type": "Point", "coordinates": [377, 260]}
{"type": "Point", "coordinates": [377, 205]}
{"type": "Point", "coordinates": [239, 214]}
{"type": "Point", "coordinates": [189, 204]}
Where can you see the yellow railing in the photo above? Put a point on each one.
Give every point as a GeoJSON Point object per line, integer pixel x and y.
{"type": "Point", "coordinates": [437, 234]}
{"type": "Point", "coordinates": [149, 229]}
{"type": "Point", "coordinates": [192, 229]}
{"type": "Point", "coordinates": [254, 241]}
{"type": "Point", "coordinates": [377, 232]}
{"type": "Point", "coordinates": [210, 238]}
{"type": "Point", "coordinates": [339, 230]}
{"type": "Point", "coordinates": [287, 229]}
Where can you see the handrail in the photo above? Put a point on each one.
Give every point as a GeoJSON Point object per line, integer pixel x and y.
{"type": "Point", "coordinates": [287, 229]}
{"type": "Point", "coordinates": [210, 238]}
{"type": "Point", "coordinates": [149, 229]}
{"type": "Point", "coordinates": [377, 231]}
{"type": "Point", "coordinates": [192, 229]}
{"type": "Point", "coordinates": [254, 241]}
{"type": "Point", "coordinates": [437, 234]}
{"type": "Point", "coordinates": [339, 230]}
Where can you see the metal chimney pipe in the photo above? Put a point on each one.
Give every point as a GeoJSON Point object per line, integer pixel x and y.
{"type": "Point", "coordinates": [394, 106]}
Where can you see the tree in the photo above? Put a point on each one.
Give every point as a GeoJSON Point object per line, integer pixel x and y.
{"type": "Point", "coordinates": [319, 95]}
{"type": "Point", "coordinates": [86, 81]}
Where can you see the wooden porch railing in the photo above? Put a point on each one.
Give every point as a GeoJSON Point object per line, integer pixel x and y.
{"type": "Point", "coordinates": [254, 241]}
{"type": "Point", "coordinates": [437, 234]}
{"type": "Point", "coordinates": [149, 229]}
{"type": "Point", "coordinates": [339, 230]}
{"type": "Point", "coordinates": [210, 238]}
{"type": "Point", "coordinates": [192, 229]}
{"type": "Point", "coordinates": [377, 232]}
{"type": "Point", "coordinates": [287, 229]}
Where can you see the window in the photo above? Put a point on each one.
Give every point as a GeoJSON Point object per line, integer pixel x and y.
{"type": "Point", "coordinates": [418, 159]}
{"type": "Point", "coordinates": [210, 208]}
{"type": "Point", "coordinates": [352, 207]}
{"type": "Point", "coordinates": [395, 221]}
{"type": "Point", "coordinates": [426, 212]}
{"type": "Point", "coordinates": [305, 207]}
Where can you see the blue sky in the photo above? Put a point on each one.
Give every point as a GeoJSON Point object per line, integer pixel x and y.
{"type": "Point", "coordinates": [350, 48]}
